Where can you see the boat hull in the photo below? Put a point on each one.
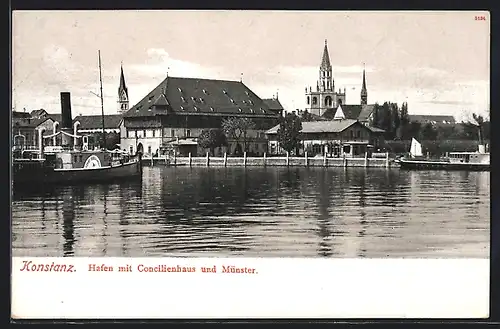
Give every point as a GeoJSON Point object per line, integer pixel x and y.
{"type": "Point", "coordinates": [441, 165]}
{"type": "Point", "coordinates": [39, 174]}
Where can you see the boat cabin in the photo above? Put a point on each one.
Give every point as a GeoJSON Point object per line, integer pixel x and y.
{"type": "Point", "coordinates": [469, 157]}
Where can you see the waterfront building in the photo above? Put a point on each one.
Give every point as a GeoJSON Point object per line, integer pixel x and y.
{"type": "Point", "coordinates": [334, 138]}
{"type": "Point", "coordinates": [91, 127]}
{"type": "Point", "coordinates": [172, 115]}
{"type": "Point", "coordinates": [25, 127]}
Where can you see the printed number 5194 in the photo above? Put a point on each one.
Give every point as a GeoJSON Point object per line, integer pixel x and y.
{"type": "Point", "coordinates": [480, 18]}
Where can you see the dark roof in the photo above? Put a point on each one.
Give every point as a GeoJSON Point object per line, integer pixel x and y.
{"type": "Point", "coordinates": [35, 122]}
{"type": "Point", "coordinates": [273, 104]}
{"type": "Point", "coordinates": [431, 118]}
{"type": "Point", "coordinates": [122, 85]}
{"type": "Point", "coordinates": [334, 126]}
{"type": "Point", "coordinates": [359, 112]}
{"type": "Point", "coordinates": [111, 121]}
{"type": "Point", "coordinates": [36, 113]}
{"type": "Point", "coordinates": [20, 115]}
{"type": "Point", "coordinates": [192, 96]}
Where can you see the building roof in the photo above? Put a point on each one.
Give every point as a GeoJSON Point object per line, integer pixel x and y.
{"type": "Point", "coordinates": [359, 112]}
{"type": "Point", "coordinates": [20, 115]}
{"type": "Point", "coordinates": [111, 121]}
{"type": "Point", "coordinates": [333, 126]}
{"type": "Point", "coordinates": [193, 96]}
{"type": "Point", "coordinates": [431, 118]}
{"type": "Point", "coordinates": [273, 103]}
{"type": "Point", "coordinates": [122, 86]}
{"type": "Point", "coordinates": [33, 122]}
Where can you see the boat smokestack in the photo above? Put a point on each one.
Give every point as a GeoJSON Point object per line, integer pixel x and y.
{"type": "Point", "coordinates": [482, 148]}
{"type": "Point", "coordinates": [66, 124]}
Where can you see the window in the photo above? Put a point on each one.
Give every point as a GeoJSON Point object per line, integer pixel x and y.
{"type": "Point", "coordinates": [75, 158]}
{"type": "Point", "coordinates": [202, 100]}
{"type": "Point", "coordinates": [172, 132]}
{"type": "Point", "coordinates": [225, 92]}
{"type": "Point", "coordinates": [183, 99]}
{"type": "Point", "coordinates": [188, 133]}
{"type": "Point", "coordinates": [358, 133]}
{"type": "Point", "coordinates": [211, 109]}
{"type": "Point", "coordinates": [80, 158]}
{"type": "Point", "coordinates": [180, 90]}
{"type": "Point", "coordinates": [130, 133]}
{"type": "Point", "coordinates": [308, 100]}
{"type": "Point", "coordinates": [149, 133]}
{"type": "Point", "coordinates": [195, 108]}
{"type": "Point", "coordinates": [149, 149]}
{"type": "Point", "coordinates": [193, 99]}
{"type": "Point", "coordinates": [328, 101]}
{"type": "Point", "coordinates": [314, 101]}
{"type": "Point", "coordinates": [131, 150]}
{"type": "Point", "coordinates": [239, 110]}
{"type": "Point", "coordinates": [154, 132]}
{"type": "Point", "coordinates": [205, 91]}
{"type": "Point", "coordinates": [140, 133]}
{"type": "Point", "coordinates": [352, 133]}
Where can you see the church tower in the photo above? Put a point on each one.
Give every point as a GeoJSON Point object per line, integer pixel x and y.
{"type": "Point", "coordinates": [364, 92]}
{"type": "Point", "coordinates": [323, 97]}
{"type": "Point", "coordinates": [123, 102]}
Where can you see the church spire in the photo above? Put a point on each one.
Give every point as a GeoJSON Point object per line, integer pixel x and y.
{"type": "Point", "coordinates": [364, 92]}
{"type": "Point", "coordinates": [123, 86]}
{"type": "Point", "coordinates": [123, 102]}
{"type": "Point", "coordinates": [325, 61]}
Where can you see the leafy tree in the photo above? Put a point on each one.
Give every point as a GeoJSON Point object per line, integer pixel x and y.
{"type": "Point", "coordinates": [479, 120]}
{"type": "Point", "coordinates": [237, 128]}
{"type": "Point", "coordinates": [289, 132]}
{"type": "Point", "coordinates": [428, 132]}
{"type": "Point", "coordinates": [306, 116]}
{"type": "Point", "coordinates": [211, 139]}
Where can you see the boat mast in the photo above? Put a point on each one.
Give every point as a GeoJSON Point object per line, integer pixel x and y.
{"type": "Point", "coordinates": [102, 103]}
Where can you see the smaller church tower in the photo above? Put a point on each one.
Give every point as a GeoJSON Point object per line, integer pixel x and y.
{"type": "Point", "coordinates": [364, 92]}
{"type": "Point", "coordinates": [123, 101]}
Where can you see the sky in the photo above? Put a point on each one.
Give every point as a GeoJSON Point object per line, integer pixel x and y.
{"type": "Point", "coordinates": [437, 62]}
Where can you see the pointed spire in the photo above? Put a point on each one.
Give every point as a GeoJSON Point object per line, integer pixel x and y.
{"type": "Point", "coordinates": [123, 86]}
{"type": "Point", "coordinates": [325, 61]}
{"type": "Point", "coordinates": [364, 78]}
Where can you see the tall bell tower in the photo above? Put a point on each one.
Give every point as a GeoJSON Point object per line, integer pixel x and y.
{"type": "Point", "coordinates": [123, 101]}
{"type": "Point", "coordinates": [364, 92]}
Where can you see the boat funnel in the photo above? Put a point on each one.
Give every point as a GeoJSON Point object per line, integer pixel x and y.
{"type": "Point", "coordinates": [66, 124]}
{"type": "Point", "coordinates": [482, 148]}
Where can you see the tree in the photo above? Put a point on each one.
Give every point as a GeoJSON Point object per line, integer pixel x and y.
{"type": "Point", "coordinates": [306, 116]}
{"type": "Point", "coordinates": [236, 128]}
{"type": "Point", "coordinates": [479, 120]}
{"type": "Point", "coordinates": [289, 132]}
{"type": "Point", "coordinates": [428, 132]}
{"type": "Point", "coordinates": [211, 139]}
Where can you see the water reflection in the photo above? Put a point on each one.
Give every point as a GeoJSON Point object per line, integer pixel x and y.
{"type": "Point", "coordinates": [285, 212]}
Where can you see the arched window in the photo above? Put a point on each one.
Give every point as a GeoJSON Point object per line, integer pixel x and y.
{"type": "Point", "coordinates": [308, 100]}
{"type": "Point", "coordinates": [315, 100]}
{"type": "Point", "coordinates": [328, 101]}
{"type": "Point", "coordinates": [339, 101]}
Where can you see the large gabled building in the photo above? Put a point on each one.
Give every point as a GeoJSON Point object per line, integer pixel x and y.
{"type": "Point", "coordinates": [172, 115]}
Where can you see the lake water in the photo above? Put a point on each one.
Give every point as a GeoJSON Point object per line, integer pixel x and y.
{"type": "Point", "coordinates": [261, 212]}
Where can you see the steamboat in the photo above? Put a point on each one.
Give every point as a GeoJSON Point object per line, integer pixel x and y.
{"type": "Point", "coordinates": [72, 162]}
{"type": "Point", "coordinates": [471, 161]}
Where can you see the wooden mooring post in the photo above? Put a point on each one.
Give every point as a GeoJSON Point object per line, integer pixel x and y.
{"type": "Point", "coordinates": [190, 160]}
{"type": "Point", "coordinates": [306, 159]}
{"type": "Point", "coordinates": [244, 159]}
{"type": "Point", "coordinates": [325, 160]}
{"type": "Point", "coordinates": [225, 159]}
{"type": "Point", "coordinates": [387, 159]}
{"type": "Point", "coordinates": [264, 159]}
{"type": "Point", "coordinates": [208, 159]}
{"type": "Point", "coordinates": [366, 159]}
{"type": "Point", "coordinates": [287, 158]}
{"type": "Point", "coordinates": [344, 160]}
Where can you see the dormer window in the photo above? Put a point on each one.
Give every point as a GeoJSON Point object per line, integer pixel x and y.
{"type": "Point", "coordinates": [240, 110]}
{"type": "Point", "coordinates": [149, 110]}
{"type": "Point", "coordinates": [183, 99]}
{"type": "Point", "coordinates": [195, 108]}
{"type": "Point", "coordinates": [251, 102]}
{"type": "Point", "coordinates": [225, 92]}
{"type": "Point", "coordinates": [211, 109]}
{"type": "Point", "coordinates": [232, 100]}
{"type": "Point", "coordinates": [205, 91]}
{"type": "Point", "coordinates": [180, 90]}
{"type": "Point", "coordinates": [202, 100]}
{"type": "Point", "coordinates": [246, 92]}
{"type": "Point", "coordinates": [182, 107]}
{"type": "Point", "coordinates": [262, 110]}
{"type": "Point", "coordinates": [193, 99]}
{"type": "Point", "coordinates": [244, 101]}
{"type": "Point", "coordinates": [150, 98]}
{"type": "Point", "coordinates": [251, 110]}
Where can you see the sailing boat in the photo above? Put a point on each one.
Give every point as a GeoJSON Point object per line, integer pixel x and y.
{"type": "Point", "coordinates": [73, 163]}
{"type": "Point", "coordinates": [476, 161]}
{"type": "Point", "coordinates": [415, 148]}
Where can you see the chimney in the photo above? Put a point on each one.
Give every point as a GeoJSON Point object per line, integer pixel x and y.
{"type": "Point", "coordinates": [66, 110]}
{"type": "Point", "coordinates": [66, 124]}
